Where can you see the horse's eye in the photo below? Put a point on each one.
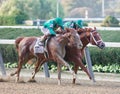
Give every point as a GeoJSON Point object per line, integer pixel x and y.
{"type": "Point", "coordinates": [95, 37]}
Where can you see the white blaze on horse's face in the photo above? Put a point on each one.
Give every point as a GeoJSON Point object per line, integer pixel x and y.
{"type": "Point", "coordinates": [96, 39]}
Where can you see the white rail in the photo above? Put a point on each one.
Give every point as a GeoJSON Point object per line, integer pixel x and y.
{"type": "Point", "coordinates": [107, 44]}
{"type": "Point", "coordinates": [23, 27]}
{"type": "Point", "coordinates": [31, 27]}
{"type": "Point", "coordinates": [7, 41]}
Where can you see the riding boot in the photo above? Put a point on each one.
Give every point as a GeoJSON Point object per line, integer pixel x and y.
{"type": "Point", "coordinates": [42, 39]}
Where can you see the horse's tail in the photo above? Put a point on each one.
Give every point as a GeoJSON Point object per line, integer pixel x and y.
{"type": "Point", "coordinates": [17, 41]}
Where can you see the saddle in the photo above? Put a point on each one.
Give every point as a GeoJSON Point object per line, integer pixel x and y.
{"type": "Point", "coordinates": [41, 47]}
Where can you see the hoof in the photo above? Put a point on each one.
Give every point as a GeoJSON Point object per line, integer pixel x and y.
{"type": "Point", "coordinates": [90, 78]}
{"type": "Point", "coordinates": [59, 82]}
{"type": "Point", "coordinates": [32, 80]}
{"type": "Point", "coordinates": [20, 81]}
{"type": "Point", "coordinates": [11, 74]}
{"type": "Point", "coordinates": [73, 81]}
{"type": "Point", "coordinates": [2, 80]}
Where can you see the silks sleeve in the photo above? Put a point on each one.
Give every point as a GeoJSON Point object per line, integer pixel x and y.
{"type": "Point", "coordinates": [52, 32]}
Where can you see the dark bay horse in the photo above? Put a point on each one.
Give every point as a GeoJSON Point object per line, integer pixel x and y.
{"type": "Point", "coordinates": [87, 35]}
{"type": "Point", "coordinates": [55, 48]}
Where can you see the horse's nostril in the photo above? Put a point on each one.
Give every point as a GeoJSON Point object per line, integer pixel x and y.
{"type": "Point", "coordinates": [81, 45]}
{"type": "Point", "coordinates": [102, 45]}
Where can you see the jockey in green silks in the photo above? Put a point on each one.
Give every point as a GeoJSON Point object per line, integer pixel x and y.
{"type": "Point", "coordinates": [51, 26]}
{"type": "Point", "coordinates": [74, 24]}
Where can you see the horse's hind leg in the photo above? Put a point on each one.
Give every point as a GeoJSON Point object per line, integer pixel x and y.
{"type": "Point", "coordinates": [37, 67]}
{"type": "Point", "coordinates": [75, 70]}
{"type": "Point", "coordinates": [36, 70]}
{"type": "Point", "coordinates": [18, 70]}
{"type": "Point", "coordinates": [12, 74]}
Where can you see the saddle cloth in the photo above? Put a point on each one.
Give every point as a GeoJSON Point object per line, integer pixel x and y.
{"type": "Point", "coordinates": [39, 46]}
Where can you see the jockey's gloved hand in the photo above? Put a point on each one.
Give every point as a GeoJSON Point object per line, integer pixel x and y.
{"type": "Point", "coordinates": [60, 30]}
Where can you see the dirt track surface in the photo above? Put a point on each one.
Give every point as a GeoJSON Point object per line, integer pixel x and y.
{"type": "Point", "coordinates": [105, 84]}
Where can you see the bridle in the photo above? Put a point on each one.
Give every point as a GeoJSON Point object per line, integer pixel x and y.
{"type": "Point", "coordinates": [91, 37]}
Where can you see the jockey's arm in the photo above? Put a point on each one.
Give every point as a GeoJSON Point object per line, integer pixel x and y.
{"type": "Point", "coordinates": [52, 32]}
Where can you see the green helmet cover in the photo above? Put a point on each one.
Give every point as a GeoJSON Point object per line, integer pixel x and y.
{"type": "Point", "coordinates": [79, 23]}
{"type": "Point", "coordinates": [59, 21]}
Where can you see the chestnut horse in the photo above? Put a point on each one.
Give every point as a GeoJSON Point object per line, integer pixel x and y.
{"type": "Point", "coordinates": [55, 48]}
{"type": "Point", "coordinates": [87, 35]}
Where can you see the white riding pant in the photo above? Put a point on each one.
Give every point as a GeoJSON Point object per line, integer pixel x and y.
{"type": "Point", "coordinates": [45, 31]}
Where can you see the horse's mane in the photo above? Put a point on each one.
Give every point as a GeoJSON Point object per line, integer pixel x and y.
{"type": "Point", "coordinates": [69, 29]}
{"type": "Point", "coordinates": [65, 34]}
{"type": "Point", "coordinates": [82, 30]}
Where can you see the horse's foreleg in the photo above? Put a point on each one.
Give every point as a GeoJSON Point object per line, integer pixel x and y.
{"type": "Point", "coordinates": [59, 73]}
{"type": "Point", "coordinates": [61, 61]}
{"type": "Point", "coordinates": [78, 61]}
{"type": "Point", "coordinates": [75, 70]}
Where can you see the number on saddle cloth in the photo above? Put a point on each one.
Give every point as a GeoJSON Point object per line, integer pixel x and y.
{"type": "Point", "coordinates": [39, 46]}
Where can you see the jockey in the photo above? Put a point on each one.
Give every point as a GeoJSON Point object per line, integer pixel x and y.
{"type": "Point", "coordinates": [50, 27]}
{"type": "Point", "coordinates": [74, 24]}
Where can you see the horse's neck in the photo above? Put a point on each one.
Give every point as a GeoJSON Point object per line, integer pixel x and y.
{"type": "Point", "coordinates": [85, 40]}
{"type": "Point", "coordinates": [85, 43]}
{"type": "Point", "coordinates": [63, 41]}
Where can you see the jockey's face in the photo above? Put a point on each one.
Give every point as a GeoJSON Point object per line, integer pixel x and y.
{"type": "Point", "coordinates": [56, 26]}
{"type": "Point", "coordinates": [77, 27]}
